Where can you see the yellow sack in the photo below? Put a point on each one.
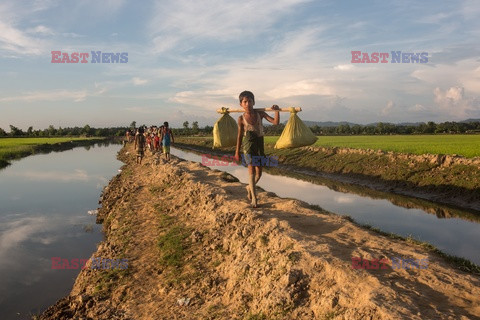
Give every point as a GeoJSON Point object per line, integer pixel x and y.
{"type": "Point", "coordinates": [295, 134]}
{"type": "Point", "coordinates": [225, 131]}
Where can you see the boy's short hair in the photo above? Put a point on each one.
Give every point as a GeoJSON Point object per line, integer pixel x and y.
{"type": "Point", "coordinates": [141, 130]}
{"type": "Point", "coordinates": [165, 124]}
{"type": "Point", "coordinates": [246, 94]}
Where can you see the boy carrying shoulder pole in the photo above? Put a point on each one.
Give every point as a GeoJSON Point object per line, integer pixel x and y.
{"type": "Point", "coordinates": [250, 127]}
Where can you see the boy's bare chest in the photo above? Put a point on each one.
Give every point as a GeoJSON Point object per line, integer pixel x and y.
{"type": "Point", "coordinates": [251, 119]}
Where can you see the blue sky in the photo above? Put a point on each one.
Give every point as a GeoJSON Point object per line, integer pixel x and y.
{"type": "Point", "coordinates": [188, 58]}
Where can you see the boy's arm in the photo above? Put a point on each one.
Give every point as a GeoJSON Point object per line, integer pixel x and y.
{"type": "Point", "coordinates": [171, 136]}
{"type": "Point", "coordinates": [239, 138]}
{"type": "Point", "coordinates": [275, 120]}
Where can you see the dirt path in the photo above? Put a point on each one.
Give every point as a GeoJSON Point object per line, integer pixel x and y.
{"type": "Point", "coordinates": [196, 250]}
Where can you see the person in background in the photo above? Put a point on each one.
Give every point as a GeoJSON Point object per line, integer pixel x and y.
{"type": "Point", "coordinates": [167, 139]}
{"type": "Point", "coordinates": [149, 140]}
{"type": "Point", "coordinates": [156, 140]}
{"type": "Point", "coordinates": [128, 134]}
{"type": "Point", "coordinates": [160, 133]}
{"type": "Point", "coordinates": [127, 137]}
{"type": "Point", "coordinates": [140, 145]}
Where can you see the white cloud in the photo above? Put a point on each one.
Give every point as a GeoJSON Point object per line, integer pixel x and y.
{"type": "Point", "coordinates": [143, 110]}
{"type": "Point", "coordinates": [99, 89]}
{"type": "Point", "coordinates": [139, 82]}
{"type": "Point", "coordinates": [294, 57]}
{"type": "Point", "coordinates": [18, 231]}
{"type": "Point", "coordinates": [14, 40]}
{"type": "Point", "coordinates": [42, 30]}
{"type": "Point", "coordinates": [174, 22]}
{"type": "Point", "coordinates": [453, 95]}
{"type": "Point", "coordinates": [453, 102]}
{"type": "Point", "coordinates": [72, 35]}
{"type": "Point", "coordinates": [436, 18]}
{"type": "Point", "coordinates": [55, 95]}
{"type": "Point", "coordinates": [301, 88]}
{"type": "Point", "coordinates": [165, 43]}
{"type": "Point", "coordinates": [77, 175]}
{"type": "Point", "coordinates": [205, 100]}
{"type": "Point", "coordinates": [465, 73]}
{"type": "Point", "coordinates": [471, 9]}
{"type": "Point", "coordinates": [41, 5]}
{"type": "Point", "coordinates": [344, 67]}
{"type": "Point", "coordinates": [388, 109]}
{"type": "Point", "coordinates": [344, 199]}
{"type": "Point", "coordinates": [418, 108]}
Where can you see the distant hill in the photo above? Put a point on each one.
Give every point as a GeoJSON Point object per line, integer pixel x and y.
{"type": "Point", "coordinates": [338, 123]}
{"type": "Point", "coordinates": [414, 124]}
{"type": "Point", "coordinates": [325, 123]}
{"type": "Point", "coordinates": [470, 120]}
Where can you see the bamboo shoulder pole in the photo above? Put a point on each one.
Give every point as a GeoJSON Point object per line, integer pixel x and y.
{"type": "Point", "coordinates": [298, 109]}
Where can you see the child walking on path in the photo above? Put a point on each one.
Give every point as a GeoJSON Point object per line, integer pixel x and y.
{"type": "Point", "coordinates": [250, 126]}
{"type": "Point", "coordinates": [167, 139]}
{"type": "Point", "coordinates": [140, 145]}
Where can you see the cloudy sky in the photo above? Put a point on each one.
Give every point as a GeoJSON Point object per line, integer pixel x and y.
{"type": "Point", "coordinates": [188, 58]}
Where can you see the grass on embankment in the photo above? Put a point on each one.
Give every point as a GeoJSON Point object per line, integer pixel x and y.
{"type": "Point", "coordinates": [460, 144]}
{"type": "Point", "coordinates": [16, 148]}
{"type": "Point", "coordinates": [404, 172]}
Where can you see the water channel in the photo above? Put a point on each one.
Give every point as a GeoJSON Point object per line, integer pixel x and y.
{"type": "Point", "coordinates": [44, 204]}
{"type": "Point", "coordinates": [45, 200]}
{"type": "Point", "coordinates": [452, 230]}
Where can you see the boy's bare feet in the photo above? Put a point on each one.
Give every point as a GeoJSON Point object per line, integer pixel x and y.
{"type": "Point", "coordinates": [249, 193]}
{"type": "Point", "coordinates": [254, 202]}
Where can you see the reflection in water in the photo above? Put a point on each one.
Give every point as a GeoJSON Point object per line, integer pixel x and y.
{"type": "Point", "coordinates": [459, 235]}
{"type": "Point", "coordinates": [440, 210]}
{"type": "Point", "coordinates": [58, 176]}
{"type": "Point", "coordinates": [45, 201]}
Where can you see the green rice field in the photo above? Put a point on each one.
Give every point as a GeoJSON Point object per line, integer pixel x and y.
{"type": "Point", "coordinates": [14, 148]}
{"type": "Point", "coordinates": [465, 145]}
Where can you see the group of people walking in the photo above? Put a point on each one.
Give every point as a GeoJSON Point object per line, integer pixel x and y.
{"type": "Point", "coordinates": [156, 139]}
{"type": "Point", "coordinates": [249, 138]}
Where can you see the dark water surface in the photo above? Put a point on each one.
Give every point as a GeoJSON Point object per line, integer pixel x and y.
{"type": "Point", "coordinates": [452, 230]}
{"type": "Point", "coordinates": [44, 200]}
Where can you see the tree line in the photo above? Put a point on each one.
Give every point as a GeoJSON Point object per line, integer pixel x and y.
{"type": "Point", "coordinates": [382, 128]}
{"type": "Point", "coordinates": [379, 128]}
{"type": "Point", "coordinates": [51, 131]}
{"type": "Point", "coordinates": [88, 131]}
